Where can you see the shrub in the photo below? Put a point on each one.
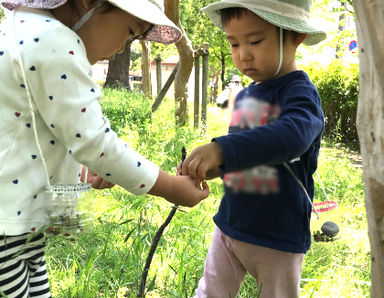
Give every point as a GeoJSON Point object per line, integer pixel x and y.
{"type": "Point", "coordinates": [126, 109]}
{"type": "Point", "coordinates": [338, 86]}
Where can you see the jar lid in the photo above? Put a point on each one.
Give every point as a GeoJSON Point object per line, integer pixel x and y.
{"type": "Point", "coordinates": [66, 188]}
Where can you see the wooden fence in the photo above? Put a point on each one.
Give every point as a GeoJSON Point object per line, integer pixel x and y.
{"type": "Point", "coordinates": [200, 53]}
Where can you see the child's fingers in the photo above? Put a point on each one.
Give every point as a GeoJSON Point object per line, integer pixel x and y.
{"type": "Point", "coordinates": [98, 182]}
{"type": "Point", "coordinates": [202, 171]}
{"type": "Point", "coordinates": [193, 168]}
{"type": "Point", "coordinates": [205, 189]}
{"type": "Point", "coordinates": [179, 169]}
{"type": "Point", "coordinates": [184, 166]}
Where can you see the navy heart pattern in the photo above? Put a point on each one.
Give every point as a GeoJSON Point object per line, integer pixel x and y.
{"type": "Point", "coordinates": [1, 53]}
{"type": "Point", "coordinates": [64, 76]}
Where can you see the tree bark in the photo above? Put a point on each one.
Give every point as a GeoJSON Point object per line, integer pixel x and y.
{"type": "Point", "coordinates": [370, 126]}
{"type": "Point", "coordinates": [118, 70]}
{"type": "Point", "coordinates": [146, 67]}
{"type": "Point", "coordinates": [184, 47]}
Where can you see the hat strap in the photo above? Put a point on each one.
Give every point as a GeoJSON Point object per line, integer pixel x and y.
{"type": "Point", "coordinates": [280, 52]}
{"type": "Point", "coordinates": [86, 16]}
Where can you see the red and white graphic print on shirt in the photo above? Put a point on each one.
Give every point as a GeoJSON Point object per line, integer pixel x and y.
{"type": "Point", "coordinates": [250, 113]}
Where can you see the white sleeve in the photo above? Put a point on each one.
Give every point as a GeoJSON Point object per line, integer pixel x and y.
{"type": "Point", "coordinates": [67, 99]}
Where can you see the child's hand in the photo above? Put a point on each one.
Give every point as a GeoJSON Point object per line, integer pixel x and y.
{"type": "Point", "coordinates": [95, 180]}
{"type": "Point", "coordinates": [203, 161]}
{"type": "Point", "coordinates": [187, 191]}
{"type": "Point", "coordinates": [210, 174]}
{"type": "Point", "coordinates": [180, 190]}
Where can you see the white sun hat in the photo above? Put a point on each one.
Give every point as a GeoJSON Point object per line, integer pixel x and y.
{"type": "Point", "coordinates": [287, 14]}
{"type": "Point", "coordinates": [151, 11]}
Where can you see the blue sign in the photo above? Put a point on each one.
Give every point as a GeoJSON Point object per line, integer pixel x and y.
{"type": "Point", "coordinates": [353, 46]}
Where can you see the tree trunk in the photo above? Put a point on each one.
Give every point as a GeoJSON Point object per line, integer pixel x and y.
{"type": "Point", "coordinates": [118, 70]}
{"type": "Point", "coordinates": [370, 126]}
{"type": "Point", "coordinates": [222, 70]}
{"type": "Point", "coordinates": [146, 67]}
{"type": "Point", "coordinates": [184, 47]}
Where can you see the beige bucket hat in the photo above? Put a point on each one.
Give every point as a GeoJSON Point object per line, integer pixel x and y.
{"type": "Point", "coordinates": [287, 14]}
{"type": "Point", "coordinates": [152, 11]}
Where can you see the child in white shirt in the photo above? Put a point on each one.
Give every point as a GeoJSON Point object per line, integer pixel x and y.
{"type": "Point", "coordinates": [52, 123]}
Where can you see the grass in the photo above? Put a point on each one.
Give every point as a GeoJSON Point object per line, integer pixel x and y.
{"type": "Point", "coordinates": [107, 259]}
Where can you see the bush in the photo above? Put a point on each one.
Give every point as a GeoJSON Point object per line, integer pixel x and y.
{"type": "Point", "coordinates": [126, 109]}
{"type": "Point", "coordinates": [338, 86]}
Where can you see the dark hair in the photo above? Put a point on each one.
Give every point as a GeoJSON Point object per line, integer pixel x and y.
{"type": "Point", "coordinates": [227, 14]}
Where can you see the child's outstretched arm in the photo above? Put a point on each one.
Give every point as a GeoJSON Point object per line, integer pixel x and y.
{"type": "Point", "coordinates": [180, 190]}
{"type": "Point", "coordinates": [204, 162]}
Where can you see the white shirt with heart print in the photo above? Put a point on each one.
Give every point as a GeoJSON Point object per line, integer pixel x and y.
{"type": "Point", "coordinates": [69, 121]}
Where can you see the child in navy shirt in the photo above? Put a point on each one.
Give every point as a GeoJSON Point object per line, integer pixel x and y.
{"type": "Point", "coordinates": [263, 222]}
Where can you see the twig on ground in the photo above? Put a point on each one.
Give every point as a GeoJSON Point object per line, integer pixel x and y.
{"type": "Point", "coordinates": [156, 239]}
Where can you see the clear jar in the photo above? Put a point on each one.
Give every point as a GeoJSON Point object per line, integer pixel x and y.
{"type": "Point", "coordinates": [68, 208]}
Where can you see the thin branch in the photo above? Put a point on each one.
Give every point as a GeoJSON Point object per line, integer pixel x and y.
{"type": "Point", "coordinates": [156, 239]}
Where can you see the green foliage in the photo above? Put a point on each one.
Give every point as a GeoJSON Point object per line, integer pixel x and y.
{"type": "Point", "coordinates": [107, 260]}
{"type": "Point", "coordinates": [199, 28]}
{"type": "Point", "coordinates": [1, 12]}
{"type": "Point", "coordinates": [338, 86]}
{"type": "Point", "coordinates": [126, 110]}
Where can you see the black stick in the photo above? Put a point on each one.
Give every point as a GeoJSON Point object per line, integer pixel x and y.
{"type": "Point", "coordinates": [156, 239]}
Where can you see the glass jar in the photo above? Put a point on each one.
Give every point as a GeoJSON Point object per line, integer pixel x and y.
{"type": "Point", "coordinates": [68, 208]}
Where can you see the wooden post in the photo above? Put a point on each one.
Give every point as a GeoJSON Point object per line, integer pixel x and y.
{"type": "Point", "coordinates": [204, 87]}
{"type": "Point", "coordinates": [163, 91]}
{"type": "Point", "coordinates": [196, 104]}
{"type": "Point", "coordinates": [146, 67]}
{"type": "Point", "coordinates": [158, 73]}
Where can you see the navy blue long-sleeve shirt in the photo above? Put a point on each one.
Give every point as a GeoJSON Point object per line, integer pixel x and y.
{"type": "Point", "coordinates": [274, 122]}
